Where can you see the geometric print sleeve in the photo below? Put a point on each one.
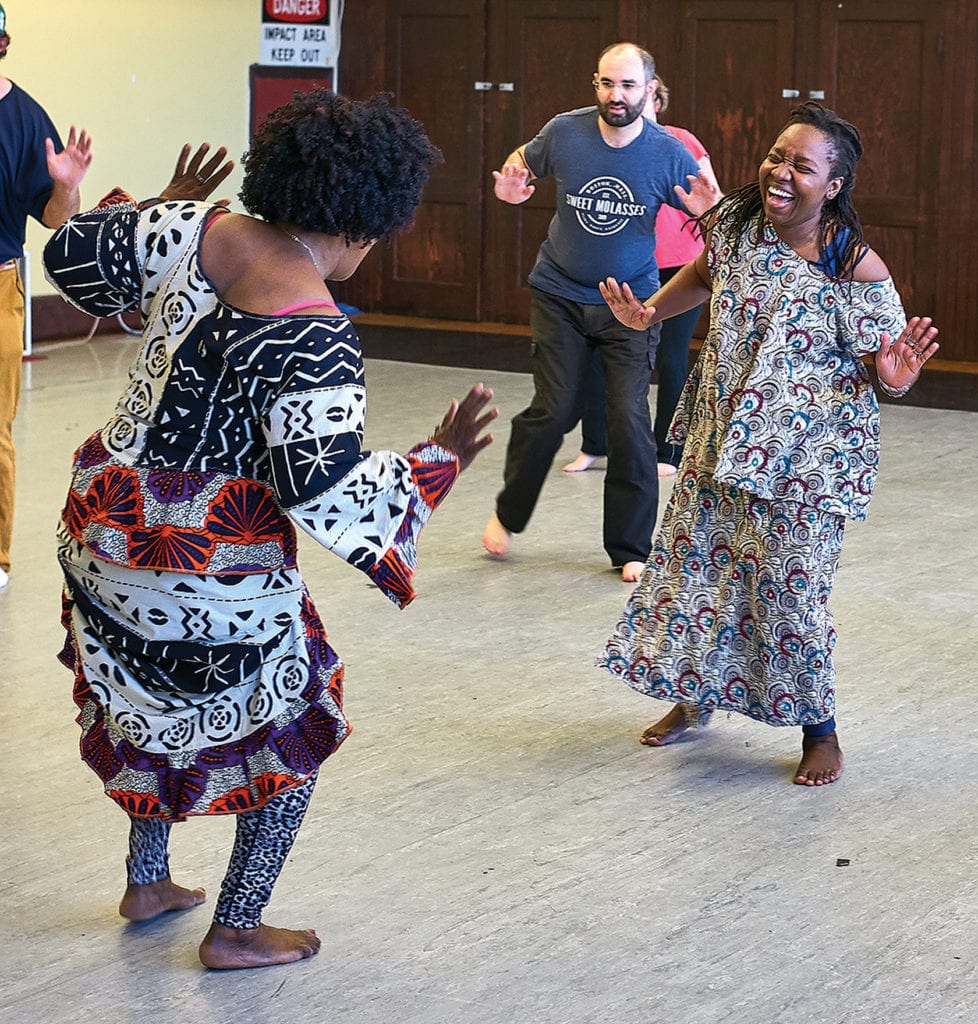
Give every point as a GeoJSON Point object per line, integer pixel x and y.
{"type": "Point", "coordinates": [368, 507]}
{"type": "Point", "coordinates": [433, 470]}
{"type": "Point", "coordinates": [294, 382]}
{"type": "Point", "coordinates": [91, 259]}
{"type": "Point", "coordinates": [118, 255]}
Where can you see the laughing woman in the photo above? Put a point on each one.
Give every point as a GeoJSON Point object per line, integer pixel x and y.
{"type": "Point", "coordinates": [781, 430]}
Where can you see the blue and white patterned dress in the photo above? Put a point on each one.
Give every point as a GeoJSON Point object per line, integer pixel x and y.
{"type": "Point", "coordinates": [204, 679]}
{"type": "Point", "coordinates": [781, 431]}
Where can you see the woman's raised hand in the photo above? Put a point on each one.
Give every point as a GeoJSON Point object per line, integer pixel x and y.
{"type": "Point", "coordinates": [898, 362]}
{"type": "Point", "coordinates": [460, 430]}
{"type": "Point", "coordinates": [625, 306]}
{"type": "Point", "coordinates": [195, 179]}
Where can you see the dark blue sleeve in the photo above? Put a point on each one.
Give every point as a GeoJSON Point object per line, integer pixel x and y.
{"type": "Point", "coordinates": [38, 185]}
{"type": "Point", "coordinates": [538, 151]}
{"type": "Point", "coordinates": [685, 165]}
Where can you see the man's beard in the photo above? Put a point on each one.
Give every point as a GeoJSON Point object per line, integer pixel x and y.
{"type": "Point", "coordinates": [620, 118]}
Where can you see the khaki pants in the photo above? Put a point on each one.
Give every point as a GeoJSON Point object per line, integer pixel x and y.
{"type": "Point", "coordinates": [11, 356]}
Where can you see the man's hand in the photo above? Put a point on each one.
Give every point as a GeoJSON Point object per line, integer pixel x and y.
{"type": "Point", "coordinates": [68, 167]}
{"type": "Point", "coordinates": [512, 184]}
{"type": "Point", "coordinates": [704, 190]}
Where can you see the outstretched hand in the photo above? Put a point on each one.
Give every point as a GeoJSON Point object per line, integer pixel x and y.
{"type": "Point", "coordinates": [464, 422]}
{"type": "Point", "coordinates": [704, 190]}
{"type": "Point", "coordinates": [625, 306]}
{"type": "Point", "coordinates": [196, 179]}
{"type": "Point", "coordinates": [512, 184]}
{"type": "Point", "coordinates": [898, 362]}
{"type": "Point", "coordinates": [68, 167]}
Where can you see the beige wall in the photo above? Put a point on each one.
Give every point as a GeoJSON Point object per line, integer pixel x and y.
{"type": "Point", "coordinates": [143, 76]}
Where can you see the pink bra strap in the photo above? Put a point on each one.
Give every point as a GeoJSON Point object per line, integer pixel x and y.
{"type": "Point", "coordinates": [307, 304]}
{"type": "Point", "coordinates": [215, 216]}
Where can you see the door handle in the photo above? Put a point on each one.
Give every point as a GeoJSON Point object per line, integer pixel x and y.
{"type": "Point", "coordinates": [507, 87]}
{"type": "Point", "coordinates": [816, 94]}
{"type": "Point", "coordinates": [483, 86]}
{"type": "Point", "coordinates": [790, 94]}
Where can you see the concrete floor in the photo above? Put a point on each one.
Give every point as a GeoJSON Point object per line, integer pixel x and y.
{"type": "Point", "coordinates": [492, 845]}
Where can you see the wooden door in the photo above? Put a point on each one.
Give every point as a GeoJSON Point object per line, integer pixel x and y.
{"type": "Point", "coordinates": [878, 62]}
{"type": "Point", "coordinates": [483, 78]}
{"type": "Point", "coordinates": [436, 52]}
{"type": "Point", "coordinates": [731, 63]}
{"type": "Point", "coordinates": [741, 65]}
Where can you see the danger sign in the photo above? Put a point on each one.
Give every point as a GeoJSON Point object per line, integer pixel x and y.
{"type": "Point", "coordinates": [297, 33]}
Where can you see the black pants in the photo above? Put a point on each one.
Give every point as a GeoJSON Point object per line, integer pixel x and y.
{"type": "Point", "coordinates": [565, 333]}
{"type": "Point", "coordinates": [671, 370]}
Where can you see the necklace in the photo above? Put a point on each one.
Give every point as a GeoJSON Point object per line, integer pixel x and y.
{"type": "Point", "coordinates": [312, 255]}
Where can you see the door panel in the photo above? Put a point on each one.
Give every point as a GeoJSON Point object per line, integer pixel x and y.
{"type": "Point", "coordinates": [435, 52]}
{"type": "Point", "coordinates": [894, 46]}
{"type": "Point", "coordinates": [733, 61]}
{"type": "Point", "coordinates": [873, 61]}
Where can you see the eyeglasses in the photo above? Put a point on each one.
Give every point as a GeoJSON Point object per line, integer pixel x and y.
{"type": "Point", "coordinates": [628, 87]}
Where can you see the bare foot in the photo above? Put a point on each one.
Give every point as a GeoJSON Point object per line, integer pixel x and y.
{"type": "Point", "coordinates": [228, 949]}
{"type": "Point", "coordinates": [666, 469]}
{"type": "Point", "coordinates": [496, 539]}
{"type": "Point", "coordinates": [667, 730]}
{"type": "Point", "coordinates": [631, 572]}
{"type": "Point", "coordinates": [581, 463]}
{"type": "Point", "coordinates": [144, 902]}
{"type": "Point", "coordinates": [821, 761]}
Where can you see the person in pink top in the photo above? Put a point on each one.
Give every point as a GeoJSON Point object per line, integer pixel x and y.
{"type": "Point", "coordinates": [678, 242]}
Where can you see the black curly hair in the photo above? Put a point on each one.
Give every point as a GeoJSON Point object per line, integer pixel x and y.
{"type": "Point", "coordinates": [743, 205]}
{"type": "Point", "coordinates": [349, 168]}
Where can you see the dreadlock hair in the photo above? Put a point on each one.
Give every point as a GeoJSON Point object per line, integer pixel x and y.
{"type": "Point", "coordinates": [743, 205]}
{"type": "Point", "coordinates": [347, 168]}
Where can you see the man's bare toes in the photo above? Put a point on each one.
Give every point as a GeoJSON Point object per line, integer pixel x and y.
{"type": "Point", "coordinates": [496, 539]}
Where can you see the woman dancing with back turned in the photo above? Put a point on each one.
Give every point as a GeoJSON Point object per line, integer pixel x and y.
{"type": "Point", "coordinates": [203, 677]}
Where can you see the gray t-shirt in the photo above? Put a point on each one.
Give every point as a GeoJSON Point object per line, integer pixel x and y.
{"type": "Point", "coordinates": [607, 201]}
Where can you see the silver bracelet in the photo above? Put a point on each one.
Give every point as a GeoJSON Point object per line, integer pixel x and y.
{"type": "Point", "coordinates": [896, 392]}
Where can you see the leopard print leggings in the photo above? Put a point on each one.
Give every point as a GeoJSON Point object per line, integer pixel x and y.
{"type": "Point", "coordinates": [262, 841]}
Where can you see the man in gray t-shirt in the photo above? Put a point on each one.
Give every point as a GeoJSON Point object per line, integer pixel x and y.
{"type": "Point", "coordinates": [613, 170]}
